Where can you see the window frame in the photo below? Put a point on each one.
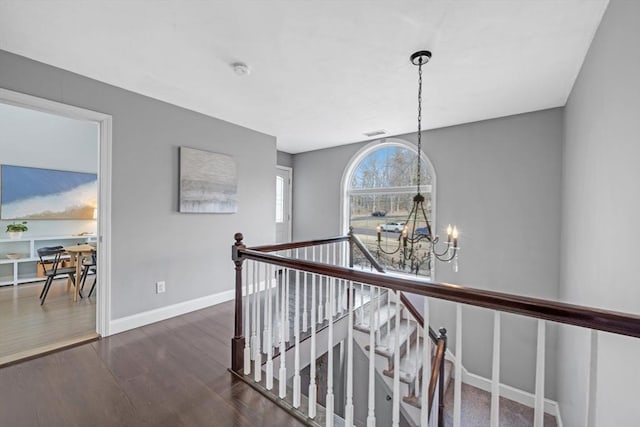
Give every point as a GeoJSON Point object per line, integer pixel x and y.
{"type": "Point", "coordinates": [354, 162]}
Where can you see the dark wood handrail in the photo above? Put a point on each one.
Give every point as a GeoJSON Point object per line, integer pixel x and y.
{"type": "Point", "coordinates": [302, 244]}
{"type": "Point", "coordinates": [603, 320]}
{"type": "Point", "coordinates": [363, 249]}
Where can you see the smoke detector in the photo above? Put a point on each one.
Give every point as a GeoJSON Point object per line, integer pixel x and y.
{"type": "Point", "coordinates": [240, 68]}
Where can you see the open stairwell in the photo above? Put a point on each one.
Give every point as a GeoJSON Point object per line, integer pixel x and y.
{"type": "Point", "coordinates": [336, 345]}
{"type": "Point", "coordinates": [394, 331]}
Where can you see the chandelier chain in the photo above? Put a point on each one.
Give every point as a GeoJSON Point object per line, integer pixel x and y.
{"type": "Point", "coordinates": [419, 121]}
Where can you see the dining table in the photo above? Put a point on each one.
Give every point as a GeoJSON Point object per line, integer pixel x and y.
{"type": "Point", "coordinates": [76, 252]}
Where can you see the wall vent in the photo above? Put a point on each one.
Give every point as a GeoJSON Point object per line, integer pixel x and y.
{"type": "Point", "coordinates": [375, 133]}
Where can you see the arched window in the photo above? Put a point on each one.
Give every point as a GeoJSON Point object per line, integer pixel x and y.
{"type": "Point", "coordinates": [379, 185]}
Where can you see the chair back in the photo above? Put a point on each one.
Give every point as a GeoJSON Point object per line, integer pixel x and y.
{"type": "Point", "coordinates": [50, 256]}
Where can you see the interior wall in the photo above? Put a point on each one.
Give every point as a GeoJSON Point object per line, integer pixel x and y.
{"type": "Point", "coordinates": [41, 140]}
{"type": "Point", "coordinates": [601, 208]}
{"type": "Point", "coordinates": [284, 159]}
{"type": "Point", "coordinates": [151, 241]}
{"type": "Point", "coordinates": [500, 182]}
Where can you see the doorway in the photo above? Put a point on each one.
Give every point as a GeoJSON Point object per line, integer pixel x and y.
{"type": "Point", "coordinates": [283, 204]}
{"type": "Point", "coordinates": [25, 286]}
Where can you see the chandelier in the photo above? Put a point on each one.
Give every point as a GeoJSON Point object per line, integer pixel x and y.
{"type": "Point", "coordinates": [417, 246]}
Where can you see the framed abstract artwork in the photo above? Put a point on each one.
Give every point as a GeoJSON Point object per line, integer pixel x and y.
{"type": "Point", "coordinates": [34, 193]}
{"type": "Point", "coordinates": [208, 182]}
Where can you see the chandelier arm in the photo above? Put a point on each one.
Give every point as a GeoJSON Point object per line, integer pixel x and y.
{"type": "Point", "coordinates": [441, 256]}
{"type": "Point", "coordinates": [379, 248]}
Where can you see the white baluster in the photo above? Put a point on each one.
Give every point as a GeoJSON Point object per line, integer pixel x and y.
{"type": "Point", "coordinates": [426, 366]}
{"type": "Point", "coordinates": [395, 416]}
{"type": "Point", "coordinates": [495, 371]}
{"type": "Point", "coordinates": [389, 312]}
{"type": "Point", "coordinates": [269, 340]}
{"type": "Point", "coordinates": [361, 300]}
{"type": "Point", "coordinates": [296, 334]}
{"type": "Point", "coordinates": [282, 377]}
{"type": "Point", "coordinates": [538, 413]}
{"type": "Point", "coordinates": [313, 390]}
{"type": "Point", "coordinates": [592, 383]}
{"type": "Point", "coordinates": [338, 298]}
{"type": "Point", "coordinates": [378, 300]}
{"type": "Point", "coordinates": [327, 302]}
{"type": "Point", "coordinates": [373, 326]}
{"type": "Point", "coordinates": [320, 306]}
{"type": "Point", "coordinates": [265, 312]}
{"type": "Point", "coordinates": [247, 318]}
{"type": "Point", "coordinates": [457, 390]}
{"type": "Point", "coordinates": [286, 307]}
{"type": "Point", "coordinates": [348, 407]}
{"type": "Point", "coordinates": [329, 398]}
{"type": "Point", "coordinates": [254, 325]}
{"type": "Point", "coordinates": [304, 303]}
{"type": "Point", "coordinates": [277, 324]}
{"type": "Point", "coordinates": [257, 366]}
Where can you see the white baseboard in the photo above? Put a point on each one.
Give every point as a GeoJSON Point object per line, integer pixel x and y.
{"type": "Point", "coordinates": [525, 398]}
{"type": "Point", "coordinates": [145, 318]}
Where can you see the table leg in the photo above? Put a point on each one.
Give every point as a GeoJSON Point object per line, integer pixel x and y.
{"type": "Point", "coordinates": [78, 267]}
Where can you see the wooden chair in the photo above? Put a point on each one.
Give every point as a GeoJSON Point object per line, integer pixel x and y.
{"type": "Point", "coordinates": [50, 259]}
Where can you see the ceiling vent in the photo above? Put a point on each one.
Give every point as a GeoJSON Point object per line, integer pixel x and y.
{"type": "Point", "coordinates": [375, 133]}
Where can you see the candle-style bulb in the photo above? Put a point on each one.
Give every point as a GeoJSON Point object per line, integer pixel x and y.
{"type": "Point", "coordinates": [449, 230]}
{"type": "Point", "coordinates": [454, 233]}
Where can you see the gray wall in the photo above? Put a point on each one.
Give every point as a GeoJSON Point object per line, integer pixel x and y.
{"type": "Point", "coordinates": [151, 241]}
{"type": "Point", "coordinates": [500, 182]}
{"type": "Point", "coordinates": [600, 216]}
{"type": "Point", "coordinates": [284, 159]}
{"type": "Point", "coordinates": [40, 140]}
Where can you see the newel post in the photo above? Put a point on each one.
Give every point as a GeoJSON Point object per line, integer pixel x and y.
{"type": "Point", "coordinates": [443, 337]}
{"type": "Point", "coordinates": [237, 342]}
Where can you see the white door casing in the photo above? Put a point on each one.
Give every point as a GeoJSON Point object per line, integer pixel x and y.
{"type": "Point", "coordinates": [283, 203]}
{"type": "Point", "coordinates": [104, 121]}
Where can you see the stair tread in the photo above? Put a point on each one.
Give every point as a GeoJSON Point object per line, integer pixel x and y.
{"type": "Point", "coordinates": [410, 364]}
{"type": "Point", "coordinates": [386, 312]}
{"type": "Point", "coordinates": [386, 346]}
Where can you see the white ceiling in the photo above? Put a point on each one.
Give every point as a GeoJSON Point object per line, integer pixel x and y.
{"type": "Point", "coordinates": [322, 72]}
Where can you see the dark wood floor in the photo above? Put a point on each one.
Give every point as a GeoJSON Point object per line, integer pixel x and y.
{"type": "Point", "coordinates": [171, 373]}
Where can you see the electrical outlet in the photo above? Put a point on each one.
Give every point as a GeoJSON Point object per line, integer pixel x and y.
{"type": "Point", "coordinates": [160, 287]}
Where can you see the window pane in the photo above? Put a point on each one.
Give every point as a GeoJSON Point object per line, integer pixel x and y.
{"type": "Point", "coordinates": [382, 189]}
{"type": "Point", "coordinates": [389, 167]}
{"type": "Point", "coordinates": [279, 199]}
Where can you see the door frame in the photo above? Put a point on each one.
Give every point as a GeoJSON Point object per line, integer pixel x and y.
{"type": "Point", "coordinates": [289, 170]}
{"type": "Point", "coordinates": [105, 122]}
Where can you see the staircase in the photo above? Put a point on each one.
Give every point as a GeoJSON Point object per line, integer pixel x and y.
{"type": "Point", "coordinates": [410, 345]}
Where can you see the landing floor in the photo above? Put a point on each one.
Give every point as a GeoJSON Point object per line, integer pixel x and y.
{"type": "Point", "coordinates": [171, 373]}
